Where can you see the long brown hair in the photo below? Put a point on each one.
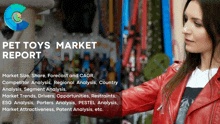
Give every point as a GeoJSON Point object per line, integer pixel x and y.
{"type": "Point", "coordinates": [211, 22]}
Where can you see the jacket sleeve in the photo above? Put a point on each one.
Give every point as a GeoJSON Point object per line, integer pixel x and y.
{"type": "Point", "coordinates": [137, 99]}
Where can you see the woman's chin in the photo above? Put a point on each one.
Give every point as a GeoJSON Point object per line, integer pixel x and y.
{"type": "Point", "coordinates": [191, 50]}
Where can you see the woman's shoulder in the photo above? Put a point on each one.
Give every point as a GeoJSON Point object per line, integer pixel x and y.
{"type": "Point", "coordinates": [175, 66]}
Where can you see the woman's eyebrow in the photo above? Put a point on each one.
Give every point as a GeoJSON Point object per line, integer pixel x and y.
{"type": "Point", "coordinates": [193, 17]}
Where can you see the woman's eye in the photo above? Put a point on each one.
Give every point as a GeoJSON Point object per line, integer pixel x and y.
{"type": "Point", "coordinates": [198, 24]}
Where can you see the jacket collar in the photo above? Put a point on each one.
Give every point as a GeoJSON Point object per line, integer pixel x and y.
{"type": "Point", "coordinates": [177, 64]}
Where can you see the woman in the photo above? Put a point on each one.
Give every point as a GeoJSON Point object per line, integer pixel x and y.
{"type": "Point", "coordinates": [188, 93]}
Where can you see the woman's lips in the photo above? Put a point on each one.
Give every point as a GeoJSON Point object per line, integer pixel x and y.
{"type": "Point", "coordinates": [187, 40]}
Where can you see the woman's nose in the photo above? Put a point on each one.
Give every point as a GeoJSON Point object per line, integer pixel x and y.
{"type": "Point", "coordinates": [186, 29]}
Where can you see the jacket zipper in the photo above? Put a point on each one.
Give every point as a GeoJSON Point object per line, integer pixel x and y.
{"type": "Point", "coordinates": [161, 106]}
{"type": "Point", "coordinates": [212, 113]}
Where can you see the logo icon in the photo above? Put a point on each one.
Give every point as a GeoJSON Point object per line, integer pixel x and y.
{"type": "Point", "coordinates": [13, 19]}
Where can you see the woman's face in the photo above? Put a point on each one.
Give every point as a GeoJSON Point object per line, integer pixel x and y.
{"type": "Point", "coordinates": [196, 38]}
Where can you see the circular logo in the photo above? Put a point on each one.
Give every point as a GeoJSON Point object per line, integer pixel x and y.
{"type": "Point", "coordinates": [13, 19]}
{"type": "Point", "coordinates": [16, 17]}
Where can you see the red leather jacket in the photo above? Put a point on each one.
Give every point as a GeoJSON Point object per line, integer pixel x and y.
{"type": "Point", "coordinates": [147, 96]}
